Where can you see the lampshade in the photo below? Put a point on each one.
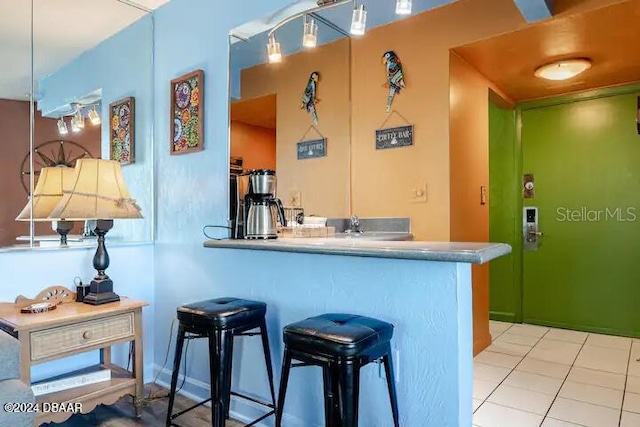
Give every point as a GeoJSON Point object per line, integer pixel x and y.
{"type": "Point", "coordinates": [47, 193]}
{"type": "Point", "coordinates": [97, 191]}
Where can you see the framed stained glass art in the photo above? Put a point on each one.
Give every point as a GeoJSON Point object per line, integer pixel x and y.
{"type": "Point", "coordinates": [122, 131]}
{"type": "Point", "coordinates": [187, 113]}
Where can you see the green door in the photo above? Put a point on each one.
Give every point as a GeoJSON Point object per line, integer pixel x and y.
{"type": "Point", "coordinates": [585, 158]}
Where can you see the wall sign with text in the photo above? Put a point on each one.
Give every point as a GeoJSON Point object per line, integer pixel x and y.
{"type": "Point", "coordinates": [312, 149]}
{"type": "Point", "coordinates": [394, 137]}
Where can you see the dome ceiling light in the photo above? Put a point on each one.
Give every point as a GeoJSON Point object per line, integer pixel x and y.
{"type": "Point", "coordinates": [564, 69]}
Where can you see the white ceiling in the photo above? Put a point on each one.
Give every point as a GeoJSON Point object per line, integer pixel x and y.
{"type": "Point", "coordinates": [63, 29]}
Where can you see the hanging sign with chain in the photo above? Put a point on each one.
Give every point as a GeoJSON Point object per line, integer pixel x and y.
{"type": "Point", "coordinates": [399, 136]}
{"type": "Point", "coordinates": [314, 148]}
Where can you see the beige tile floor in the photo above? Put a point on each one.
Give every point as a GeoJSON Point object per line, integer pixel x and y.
{"type": "Point", "coordinates": [532, 376]}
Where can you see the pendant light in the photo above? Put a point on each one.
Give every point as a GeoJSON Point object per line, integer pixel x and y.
{"type": "Point", "coordinates": [359, 21]}
{"type": "Point", "coordinates": [310, 36]}
{"type": "Point", "coordinates": [273, 48]}
{"type": "Point", "coordinates": [62, 127]}
{"type": "Point", "coordinates": [403, 7]}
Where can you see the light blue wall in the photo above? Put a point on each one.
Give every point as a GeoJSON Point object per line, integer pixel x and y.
{"type": "Point", "coordinates": [29, 272]}
{"type": "Point", "coordinates": [431, 311]}
{"type": "Point", "coordinates": [430, 303]}
{"type": "Point", "coordinates": [121, 66]}
{"type": "Point", "coordinates": [420, 298]}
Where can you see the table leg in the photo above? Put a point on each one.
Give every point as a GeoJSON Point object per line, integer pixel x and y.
{"type": "Point", "coordinates": [25, 357]}
{"type": "Point", "coordinates": [138, 364]}
{"type": "Point", "coordinates": [105, 355]}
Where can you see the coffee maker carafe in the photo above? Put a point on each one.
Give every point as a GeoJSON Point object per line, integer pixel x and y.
{"type": "Point", "coordinates": [262, 207]}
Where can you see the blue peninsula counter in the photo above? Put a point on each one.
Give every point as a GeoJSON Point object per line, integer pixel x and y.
{"type": "Point", "coordinates": [423, 288]}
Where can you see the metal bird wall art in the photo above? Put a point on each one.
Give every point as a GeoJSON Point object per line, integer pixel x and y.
{"type": "Point", "coordinates": [395, 76]}
{"type": "Point", "coordinates": [310, 97]}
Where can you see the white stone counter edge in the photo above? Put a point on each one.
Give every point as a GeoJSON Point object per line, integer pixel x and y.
{"type": "Point", "coordinates": [473, 253]}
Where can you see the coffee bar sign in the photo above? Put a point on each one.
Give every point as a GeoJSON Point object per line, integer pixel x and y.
{"type": "Point", "coordinates": [312, 149]}
{"type": "Point", "coordinates": [394, 137]}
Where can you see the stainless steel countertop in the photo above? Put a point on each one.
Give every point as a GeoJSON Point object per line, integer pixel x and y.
{"type": "Point", "coordinates": [474, 253]}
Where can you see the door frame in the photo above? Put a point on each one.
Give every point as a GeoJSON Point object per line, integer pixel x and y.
{"type": "Point", "coordinates": [518, 266]}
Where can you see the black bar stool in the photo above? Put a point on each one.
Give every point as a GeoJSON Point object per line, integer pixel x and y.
{"type": "Point", "coordinates": [220, 320]}
{"type": "Point", "coordinates": [341, 344]}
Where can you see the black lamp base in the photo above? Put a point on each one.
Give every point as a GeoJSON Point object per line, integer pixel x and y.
{"type": "Point", "coordinates": [101, 288]}
{"type": "Point", "coordinates": [101, 292]}
{"type": "Point", "coordinates": [63, 228]}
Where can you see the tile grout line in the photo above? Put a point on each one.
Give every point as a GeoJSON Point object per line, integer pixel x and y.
{"type": "Point", "coordinates": [565, 379]}
{"type": "Point", "coordinates": [485, 399]}
{"type": "Point", "coordinates": [583, 345]}
{"type": "Point", "coordinates": [626, 380]}
{"type": "Point", "coordinates": [510, 372]}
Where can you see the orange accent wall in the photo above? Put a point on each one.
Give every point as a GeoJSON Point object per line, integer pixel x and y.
{"type": "Point", "coordinates": [14, 146]}
{"type": "Point", "coordinates": [323, 183]}
{"type": "Point", "coordinates": [255, 144]}
{"type": "Point", "coordinates": [469, 163]}
{"type": "Point", "coordinates": [382, 181]}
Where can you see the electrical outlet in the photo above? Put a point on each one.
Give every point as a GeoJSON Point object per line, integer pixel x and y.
{"type": "Point", "coordinates": [419, 194]}
{"type": "Point", "coordinates": [295, 199]}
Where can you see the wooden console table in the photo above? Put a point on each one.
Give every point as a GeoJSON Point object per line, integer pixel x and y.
{"type": "Point", "coordinates": [74, 328]}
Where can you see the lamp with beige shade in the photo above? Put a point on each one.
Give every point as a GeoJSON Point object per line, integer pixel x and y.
{"type": "Point", "coordinates": [46, 196]}
{"type": "Point", "coordinates": [97, 192]}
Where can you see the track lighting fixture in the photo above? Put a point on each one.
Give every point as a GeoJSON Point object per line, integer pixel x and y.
{"type": "Point", "coordinates": [62, 127]}
{"type": "Point", "coordinates": [79, 118]}
{"type": "Point", "coordinates": [403, 7]}
{"type": "Point", "coordinates": [74, 126]}
{"type": "Point", "coordinates": [273, 48]}
{"type": "Point", "coordinates": [94, 117]}
{"type": "Point", "coordinates": [310, 36]}
{"type": "Point", "coordinates": [359, 21]}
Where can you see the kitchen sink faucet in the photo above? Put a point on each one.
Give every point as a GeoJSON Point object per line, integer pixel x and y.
{"type": "Point", "coordinates": [354, 225]}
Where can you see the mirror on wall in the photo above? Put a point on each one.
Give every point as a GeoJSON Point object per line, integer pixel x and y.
{"type": "Point", "coordinates": [15, 106]}
{"type": "Point", "coordinates": [270, 117]}
{"type": "Point", "coordinates": [92, 68]}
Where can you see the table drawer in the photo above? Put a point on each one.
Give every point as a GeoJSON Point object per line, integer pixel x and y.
{"type": "Point", "coordinates": [63, 339]}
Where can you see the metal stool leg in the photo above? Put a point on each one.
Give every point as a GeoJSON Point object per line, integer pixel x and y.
{"type": "Point", "coordinates": [267, 359]}
{"type": "Point", "coordinates": [228, 375]}
{"type": "Point", "coordinates": [219, 360]}
{"type": "Point", "coordinates": [331, 394]}
{"type": "Point", "coordinates": [349, 393]}
{"type": "Point", "coordinates": [176, 371]}
{"type": "Point", "coordinates": [391, 385]}
{"type": "Point", "coordinates": [284, 379]}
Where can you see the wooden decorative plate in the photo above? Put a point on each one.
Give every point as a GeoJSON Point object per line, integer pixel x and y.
{"type": "Point", "coordinates": [38, 307]}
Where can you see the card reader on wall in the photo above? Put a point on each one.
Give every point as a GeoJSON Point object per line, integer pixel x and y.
{"type": "Point", "coordinates": [530, 231]}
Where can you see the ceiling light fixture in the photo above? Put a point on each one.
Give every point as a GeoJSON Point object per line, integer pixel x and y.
{"type": "Point", "coordinates": [273, 48]}
{"type": "Point", "coordinates": [94, 117]}
{"type": "Point", "coordinates": [403, 7]}
{"type": "Point", "coordinates": [62, 127]}
{"type": "Point", "coordinates": [310, 36]}
{"type": "Point", "coordinates": [359, 21]}
{"type": "Point", "coordinates": [75, 126]}
{"type": "Point", "coordinates": [564, 69]}
{"type": "Point", "coordinates": [79, 118]}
